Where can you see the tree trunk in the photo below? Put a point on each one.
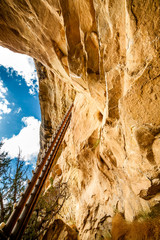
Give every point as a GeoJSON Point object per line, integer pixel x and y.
{"type": "Point", "coordinates": [2, 208]}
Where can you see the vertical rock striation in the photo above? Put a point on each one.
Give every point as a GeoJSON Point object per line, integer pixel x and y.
{"type": "Point", "coordinates": [106, 56]}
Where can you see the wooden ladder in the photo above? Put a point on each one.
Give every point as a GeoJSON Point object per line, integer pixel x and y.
{"type": "Point", "coordinates": [16, 224]}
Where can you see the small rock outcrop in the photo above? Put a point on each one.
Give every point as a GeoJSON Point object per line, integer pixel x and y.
{"type": "Point", "coordinates": [60, 231]}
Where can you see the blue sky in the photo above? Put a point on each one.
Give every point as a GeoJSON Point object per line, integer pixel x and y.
{"type": "Point", "coordinates": [19, 105]}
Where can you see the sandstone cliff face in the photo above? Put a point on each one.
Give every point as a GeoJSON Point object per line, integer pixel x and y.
{"type": "Point", "coordinates": [107, 53]}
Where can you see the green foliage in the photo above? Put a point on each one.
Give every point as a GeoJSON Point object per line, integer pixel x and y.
{"type": "Point", "coordinates": [51, 181]}
{"type": "Point", "coordinates": [13, 174]}
{"type": "Point", "coordinates": [4, 163]}
{"type": "Point", "coordinates": [48, 205]}
{"type": "Point", "coordinates": [18, 179]}
{"type": "Point", "coordinates": [155, 212]}
{"type": "Point", "coordinates": [4, 182]}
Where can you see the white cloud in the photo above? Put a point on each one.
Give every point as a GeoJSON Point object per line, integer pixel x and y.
{"type": "Point", "coordinates": [4, 109]}
{"type": "Point", "coordinates": [18, 110]}
{"type": "Point", "coordinates": [23, 64]}
{"type": "Point", "coordinates": [27, 140]}
{"type": "Point", "coordinates": [3, 90]}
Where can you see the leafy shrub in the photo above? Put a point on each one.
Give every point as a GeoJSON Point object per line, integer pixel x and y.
{"type": "Point", "coordinates": [48, 205]}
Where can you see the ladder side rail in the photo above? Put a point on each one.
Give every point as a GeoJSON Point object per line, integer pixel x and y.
{"type": "Point", "coordinates": [25, 216]}
{"type": "Point", "coordinates": [59, 130]}
{"type": "Point", "coordinates": [17, 211]}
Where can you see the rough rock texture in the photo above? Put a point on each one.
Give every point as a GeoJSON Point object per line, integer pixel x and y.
{"type": "Point", "coordinates": [55, 98]}
{"type": "Point", "coordinates": [108, 52]}
{"type": "Point", "coordinates": [60, 231]}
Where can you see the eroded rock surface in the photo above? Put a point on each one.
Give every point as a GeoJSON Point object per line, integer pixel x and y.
{"type": "Point", "coordinates": [107, 53]}
{"type": "Point", "coordinates": [60, 231]}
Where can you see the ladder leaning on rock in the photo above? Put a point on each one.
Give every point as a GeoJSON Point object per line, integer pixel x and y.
{"type": "Point", "coordinates": [16, 224]}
